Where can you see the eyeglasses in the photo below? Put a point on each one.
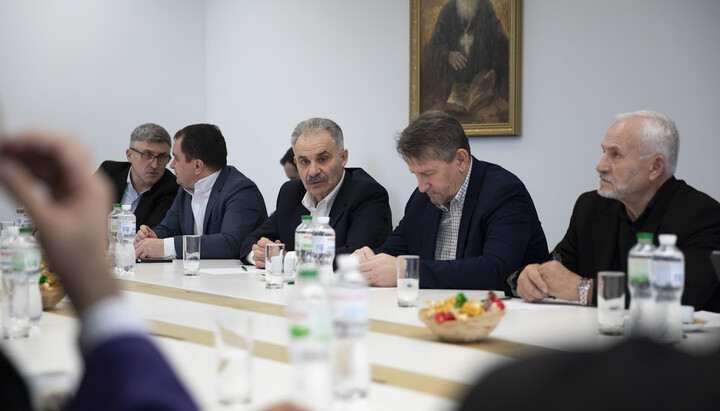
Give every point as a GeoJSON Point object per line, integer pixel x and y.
{"type": "Point", "coordinates": [148, 157]}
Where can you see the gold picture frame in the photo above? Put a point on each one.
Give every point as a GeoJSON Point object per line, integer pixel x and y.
{"type": "Point", "coordinates": [478, 84]}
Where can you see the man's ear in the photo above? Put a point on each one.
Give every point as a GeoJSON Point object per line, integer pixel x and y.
{"type": "Point", "coordinates": [462, 157]}
{"type": "Point", "coordinates": [199, 166]}
{"type": "Point", "coordinates": [657, 167]}
{"type": "Point", "coordinates": [128, 152]}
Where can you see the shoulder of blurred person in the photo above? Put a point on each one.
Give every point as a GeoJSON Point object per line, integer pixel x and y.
{"type": "Point", "coordinates": [635, 374]}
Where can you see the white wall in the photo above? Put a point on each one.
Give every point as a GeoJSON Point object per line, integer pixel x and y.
{"type": "Point", "coordinates": [97, 69]}
{"type": "Point", "coordinates": [256, 68]}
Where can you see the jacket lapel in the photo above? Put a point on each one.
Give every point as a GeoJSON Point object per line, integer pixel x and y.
{"type": "Point", "coordinates": [340, 203]}
{"type": "Point", "coordinates": [471, 199]}
{"type": "Point", "coordinates": [214, 195]}
{"type": "Point", "coordinates": [430, 223]}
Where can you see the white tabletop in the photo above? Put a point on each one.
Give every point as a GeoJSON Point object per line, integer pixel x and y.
{"type": "Point", "coordinates": [411, 368]}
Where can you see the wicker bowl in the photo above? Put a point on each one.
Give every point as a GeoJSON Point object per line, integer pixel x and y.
{"type": "Point", "coordinates": [51, 296]}
{"type": "Point", "coordinates": [470, 330]}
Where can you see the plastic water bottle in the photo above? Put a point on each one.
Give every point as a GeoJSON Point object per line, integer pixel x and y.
{"type": "Point", "coordinates": [323, 249]}
{"type": "Point", "coordinates": [349, 300]}
{"type": "Point", "coordinates": [125, 250]}
{"type": "Point", "coordinates": [113, 232]}
{"type": "Point", "coordinates": [642, 304]}
{"type": "Point", "coordinates": [32, 258]}
{"type": "Point", "coordinates": [16, 304]}
{"type": "Point", "coordinates": [668, 280]}
{"type": "Point", "coordinates": [303, 241]}
{"type": "Point", "coordinates": [22, 218]}
{"type": "Point", "coordinates": [9, 280]}
{"type": "Point", "coordinates": [308, 315]}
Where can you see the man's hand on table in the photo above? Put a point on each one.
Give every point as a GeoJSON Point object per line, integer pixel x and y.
{"type": "Point", "coordinates": [150, 248]}
{"type": "Point", "coordinates": [259, 251]}
{"type": "Point", "coordinates": [539, 281]}
{"type": "Point", "coordinates": [379, 269]}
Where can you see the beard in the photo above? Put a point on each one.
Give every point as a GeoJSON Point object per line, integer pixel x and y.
{"type": "Point", "coordinates": [617, 191]}
{"type": "Point", "coordinates": [466, 9]}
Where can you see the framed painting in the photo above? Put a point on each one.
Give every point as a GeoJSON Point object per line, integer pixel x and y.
{"type": "Point", "coordinates": [465, 61]}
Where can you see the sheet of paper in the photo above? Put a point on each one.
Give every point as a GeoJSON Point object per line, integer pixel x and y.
{"type": "Point", "coordinates": [232, 270]}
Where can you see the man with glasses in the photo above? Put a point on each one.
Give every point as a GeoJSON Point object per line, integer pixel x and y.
{"type": "Point", "coordinates": [143, 181]}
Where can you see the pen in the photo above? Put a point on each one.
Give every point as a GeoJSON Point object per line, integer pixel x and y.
{"type": "Point", "coordinates": [243, 267]}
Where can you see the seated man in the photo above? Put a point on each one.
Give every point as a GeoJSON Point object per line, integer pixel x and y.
{"type": "Point", "coordinates": [638, 193]}
{"type": "Point", "coordinates": [356, 204]}
{"type": "Point", "coordinates": [143, 181]}
{"type": "Point", "coordinates": [472, 223]}
{"type": "Point", "coordinates": [217, 201]}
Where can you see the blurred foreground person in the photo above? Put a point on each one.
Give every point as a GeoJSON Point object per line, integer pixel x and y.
{"type": "Point", "coordinates": [634, 375]}
{"type": "Point", "coordinates": [51, 176]}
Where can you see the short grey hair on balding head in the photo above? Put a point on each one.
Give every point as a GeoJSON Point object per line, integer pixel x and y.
{"type": "Point", "coordinates": [315, 125]}
{"type": "Point", "coordinates": [660, 136]}
{"type": "Point", "coordinates": [150, 132]}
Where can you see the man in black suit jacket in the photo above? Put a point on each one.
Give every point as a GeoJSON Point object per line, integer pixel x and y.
{"type": "Point", "coordinates": [356, 204]}
{"type": "Point", "coordinates": [143, 181]}
{"type": "Point", "coordinates": [638, 193]}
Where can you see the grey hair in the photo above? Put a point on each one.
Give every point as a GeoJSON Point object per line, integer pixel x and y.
{"type": "Point", "coordinates": [152, 133]}
{"type": "Point", "coordinates": [659, 135]}
{"type": "Point", "coordinates": [315, 125]}
{"type": "Point", "coordinates": [433, 135]}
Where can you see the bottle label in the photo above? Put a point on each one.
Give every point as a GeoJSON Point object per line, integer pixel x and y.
{"type": "Point", "coordinates": [323, 244]}
{"type": "Point", "coordinates": [639, 270]}
{"type": "Point", "coordinates": [350, 312]}
{"type": "Point", "coordinates": [126, 227]}
{"type": "Point", "coordinates": [668, 273]}
{"type": "Point", "coordinates": [309, 322]}
{"type": "Point", "coordinates": [27, 260]}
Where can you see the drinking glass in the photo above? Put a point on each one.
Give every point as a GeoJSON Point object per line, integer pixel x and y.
{"type": "Point", "coordinates": [191, 254]}
{"type": "Point", "coordinates": [611, 302]}
{"type": "Point", "coordinates": [274, 253]}
{"type": "Point", "coordinates": [234, 349]}
{"type": "Point", "coordinates": [408, 280]}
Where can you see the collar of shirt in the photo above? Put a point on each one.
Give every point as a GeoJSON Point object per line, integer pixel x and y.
{"type": "Point", "coordinates": [200, 196]}
{"type": "Point", "coordinates": [637, 224]}
{"type": "Point", "coordinates": [323, 207]}
{"type": "Point", "coordinates": [130, 196]}
{"type": "Point", "coordinates": [459, 198]}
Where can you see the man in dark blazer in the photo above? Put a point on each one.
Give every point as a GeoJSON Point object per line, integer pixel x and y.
{"type": "Point", "coordinates": [143, 181]}
{"type": "Point", "coordinates": [217, 201]}
{"type": "Point", "coordinates": [356, 204]}
{"type": "Point", "coordinates": [638, 193]}
{"type": "Point", "coordinates": [472, 223]}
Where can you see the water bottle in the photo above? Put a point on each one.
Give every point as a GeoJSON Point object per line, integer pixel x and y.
{"type": "Point", "coordinates": [125, 249]}
{"type": "Point", "coordinates": [113, 232]}
{"type": "Point", "coordinates": [32, 257]}
{"type": "Point", "coordinates": [349, 300]}
{"type": "Point", "coordinates": [303, 241]}
{"type": "Point", "coordinates": [642, 304]}
{"type": "Point", "coordinates": [25, 263]}
{"type": "Point", "coordinates": [323, 249]}
{"type": "Point", "coordinates": [7, 246]}
{"type": "Point", "coordinates": [308, 315]}
{"type": "Point", "coordinates": [22, 218]}
{"type": "Point", "coordinates": [668, 279]}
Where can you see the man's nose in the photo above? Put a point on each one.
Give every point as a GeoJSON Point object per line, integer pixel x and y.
{"type": "Point", "coordinates": [602, 165]}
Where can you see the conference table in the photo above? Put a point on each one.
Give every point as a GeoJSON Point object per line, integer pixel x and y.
{"type": "Point", "coordinates": [411, 368]}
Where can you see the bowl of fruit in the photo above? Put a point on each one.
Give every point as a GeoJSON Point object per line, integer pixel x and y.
{"type": "Point", "coordinates": [51, 290]}
{"type": "Point", "coordinates": [457, 319]}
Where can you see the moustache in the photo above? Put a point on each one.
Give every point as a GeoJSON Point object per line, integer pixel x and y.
{"type": "Point", "coordinates": [606, 177]}
{"type": "Point", "coordinates": [316, 179]}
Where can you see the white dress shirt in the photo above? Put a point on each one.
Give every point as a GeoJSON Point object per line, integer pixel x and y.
{"type": "Point", "coordinates": [130, 196]}
{"type": "Point", "coordinates": [200, 196]}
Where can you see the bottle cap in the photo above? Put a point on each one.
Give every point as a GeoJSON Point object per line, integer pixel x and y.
{"type": "Point", "coordinates": [306, 218]}
{"type": "Point", "coordinates": [117, 206]}
{"type": "Point", "coordinates": [126, 207]}
{"type": "Point", "coordinates": [323, 220]}
{"type": "Point", "coordinates": [667, 239]}
{"type": "Point", "coordinates": [644, 237]}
